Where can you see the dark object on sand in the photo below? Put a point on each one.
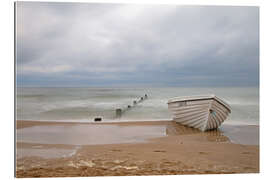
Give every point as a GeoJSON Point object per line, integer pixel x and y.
{"type": "Point", "coordinates": [134, 102]}
{"type": "Point", "coordinates": [145, 96]}
{"type": "Point", "coordinates": [98, 119]}
{"type": "Point", "coordinates": [129, 106]}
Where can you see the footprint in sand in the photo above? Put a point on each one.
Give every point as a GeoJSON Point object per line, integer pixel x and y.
{"type": "Point", "coordinates": [203, 152]}
{"type": "Point", "coordinates": [159, 151]}
{"type": "Point", "coordinates": [116, 150]}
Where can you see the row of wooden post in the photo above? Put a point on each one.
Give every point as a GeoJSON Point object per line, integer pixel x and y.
{"type": "Point", "coordinates": [120, 111]}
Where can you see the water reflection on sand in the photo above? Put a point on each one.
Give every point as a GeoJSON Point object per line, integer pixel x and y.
{"type": "Point", "coordinates": [239, 134]}
{"type": "Point", "coordinates": [96, 134]}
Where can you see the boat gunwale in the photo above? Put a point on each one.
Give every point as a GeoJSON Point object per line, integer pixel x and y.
{"type": "Point", "coordinates": [195, 98]}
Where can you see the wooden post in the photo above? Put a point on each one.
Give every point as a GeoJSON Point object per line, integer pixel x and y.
{"type": "Point", "coordinates": [118, 112]}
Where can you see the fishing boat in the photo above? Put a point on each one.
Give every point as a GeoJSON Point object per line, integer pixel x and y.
{"type": "Point", "coordinates": [205, 112]}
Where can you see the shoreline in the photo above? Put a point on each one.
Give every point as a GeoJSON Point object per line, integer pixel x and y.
{"type": "Point", "coordinates": [29, 123]}
{"type": "Point", "coordinates": [181, 150]}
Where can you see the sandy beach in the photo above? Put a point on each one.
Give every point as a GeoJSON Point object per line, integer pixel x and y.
{"type": "Point", "coordinates": [133, 148]}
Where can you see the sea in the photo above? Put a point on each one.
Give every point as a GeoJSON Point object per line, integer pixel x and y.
{"type": "Point", "coordinates": [84, 104]}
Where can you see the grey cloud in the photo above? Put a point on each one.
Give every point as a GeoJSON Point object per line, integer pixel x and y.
{"type": "Point", "coordinates": [91, 44]}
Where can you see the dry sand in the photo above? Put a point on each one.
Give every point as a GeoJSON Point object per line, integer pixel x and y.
{"type": "Point", "coordinates": [182, 151]}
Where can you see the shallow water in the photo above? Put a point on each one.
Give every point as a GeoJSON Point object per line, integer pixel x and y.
{"type": "Point", "coordinates": [84, 104]}
{"type": "Point", "coordinates": [89, 134]}
{"type": "Point", "coordinates": [44, 153]}
{"type": "Point", "coordinates": [85, 134]}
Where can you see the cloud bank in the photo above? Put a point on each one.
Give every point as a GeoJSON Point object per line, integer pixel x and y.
{"type": "Point", "coordinates": [87, 44]}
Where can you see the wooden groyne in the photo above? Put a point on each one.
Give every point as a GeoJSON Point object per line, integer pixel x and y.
{"type": "Point", "coordinates": [119, 111]}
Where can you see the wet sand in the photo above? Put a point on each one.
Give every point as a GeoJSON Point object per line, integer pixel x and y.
{"type": "Point", "coordinates": [133, 148]}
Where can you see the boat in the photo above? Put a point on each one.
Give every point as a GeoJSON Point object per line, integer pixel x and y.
{"type": "Point", "coordinates": [204, 112]}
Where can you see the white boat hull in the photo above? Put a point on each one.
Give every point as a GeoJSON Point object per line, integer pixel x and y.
{"type": "Point", "coordinates": [202, 112]}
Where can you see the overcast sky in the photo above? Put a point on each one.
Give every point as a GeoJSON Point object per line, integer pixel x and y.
{"type": "Point", "coordinates": [77, 44]}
